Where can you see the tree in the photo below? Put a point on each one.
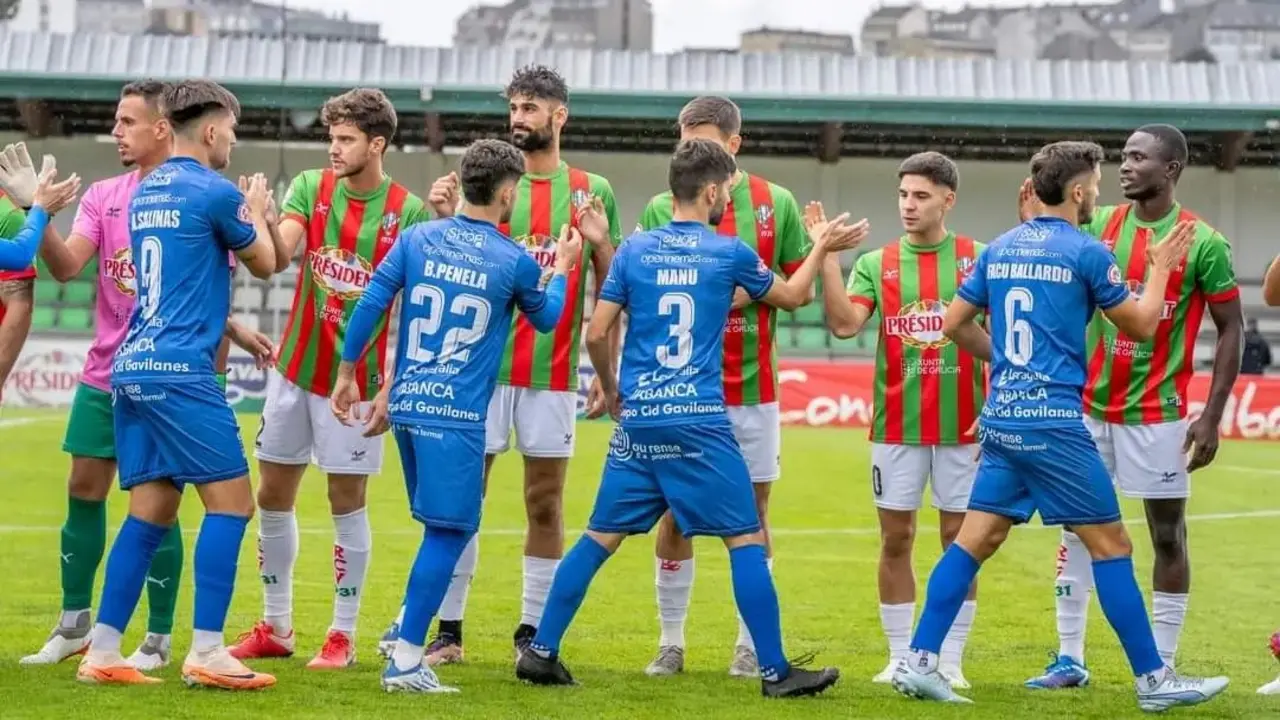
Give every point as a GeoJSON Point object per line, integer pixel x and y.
{"type": "Point", "coordinates": [9, 9]}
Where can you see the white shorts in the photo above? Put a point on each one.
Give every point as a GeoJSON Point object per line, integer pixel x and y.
{"type": "Point", "coordinates": [899, 474]}
{"type": "Point", "coordinates": [298, 428]}
{"type": "Point", "coordinates": [758, 430]}
{"type": "Point", "coordinates": [1145, 461]}
{"type": "Point", "coordinates": [544, 422]}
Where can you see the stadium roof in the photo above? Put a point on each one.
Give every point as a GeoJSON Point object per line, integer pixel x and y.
{"type": "Point", "coordinates": [788, 87]}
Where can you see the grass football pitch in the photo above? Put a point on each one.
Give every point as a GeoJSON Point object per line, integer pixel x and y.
{"type": "Point", "coordinates": [826, 547]}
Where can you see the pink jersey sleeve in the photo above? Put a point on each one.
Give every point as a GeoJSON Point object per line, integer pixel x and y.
{"type": "Point", "coordinates": [88, 220]}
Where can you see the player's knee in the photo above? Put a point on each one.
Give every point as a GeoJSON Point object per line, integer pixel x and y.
{"type": "Point", "coordinates": [542, 506]}
{"type": "Point", "coordinates": [1169, 540]}
{"type": "Point", "coordinates": [347, 493]}
{"type": "Point", "coordinates": [90, 480]}
{"type": "Point", "coordinates": [896, 540]}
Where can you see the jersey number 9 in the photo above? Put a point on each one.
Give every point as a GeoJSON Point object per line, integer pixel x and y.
{"type": "Point", "coordinates": [148, 270]}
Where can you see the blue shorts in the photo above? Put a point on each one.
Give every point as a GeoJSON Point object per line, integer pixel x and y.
{"type": "Point", "coordinates": [443, 474]}
{"type": "Point", "coordinates": [181, 432]}
{"type": "Point", "coordinates": [695, 470]}
{"type": "Point", "coordinates": [1056, 471]}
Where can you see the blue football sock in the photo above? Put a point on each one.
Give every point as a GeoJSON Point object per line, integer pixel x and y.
{"type": "Point", "coordinates": [948, 585]}
{"type": "Point", "coordinates": [1122, 603]}
{"type": "Point", "coordinates": [216, 557]}
{"type": "Point", "coordinates": [126, 574]}
{"type": "Point", "coordinates": [429, 580]}
{"type": "Point", "coordinates": [568, 590]}
{"type": "Point", "coordinates": [757, 600]}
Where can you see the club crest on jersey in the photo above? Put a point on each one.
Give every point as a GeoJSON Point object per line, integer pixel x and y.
{"type": "Point", "coordinates": [964, 266]}
{"type": "Point", "coordinates": [1135, 289]}
{"type": "Point", "coordinates": [243, 213]}
{"type": "Point", "coordinates": [1113, 275]}
{"type": "Point", "coordinates": [763, 213]}
{"type": "Point", "coordinates": [390, 221]}
{"type": "Point", "coordinates": [919, 324]}
{"type": "Point", "coordinates": [580, 198]}
{"type": "Point", "coordinates": [119, 267]}
{"type": "Point", "coordinates": [340, 272]}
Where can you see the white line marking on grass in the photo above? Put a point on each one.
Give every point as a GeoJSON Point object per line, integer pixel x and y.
{"type": "Point", "coordinates": [1248, 469]}
{"type": "Point", "coordinates": [799, 532]}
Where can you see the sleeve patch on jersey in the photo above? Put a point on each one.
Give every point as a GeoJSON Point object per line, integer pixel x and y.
{"type": "Point", "coordinates": [243, 213]}
{"type": "Point", "coordinates": [1113, 275]}
{"type": "Point", "coordinates": [762, 268]}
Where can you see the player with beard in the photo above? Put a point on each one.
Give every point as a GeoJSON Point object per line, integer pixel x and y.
{"type": "Point", "coordinates": [345, 218]}
{"type": "Point", "coordinates": [101, 228]}
{"type": "Point", "coordinates": [537, 395]}
{"type": "Point", "coordinates": [766, 217]}
{"type": "Point", "coordinates": [1136, 396]}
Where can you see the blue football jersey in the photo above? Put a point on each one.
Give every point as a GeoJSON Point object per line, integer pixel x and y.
{"type": "Point", "coordinates": [1041, 283]}
{"type": "Point", "coordinates": [676, 283]}
{"type": "Point", "coordinates": [461, 279]}
{"type": "Point", "coordinates": [183, 219]}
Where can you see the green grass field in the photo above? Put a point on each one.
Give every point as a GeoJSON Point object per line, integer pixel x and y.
{"type": "Point", "coordinates": [826, 568]}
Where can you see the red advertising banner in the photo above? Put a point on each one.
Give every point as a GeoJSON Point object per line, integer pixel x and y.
{"type": "Point", "coordinates": [839, 393]}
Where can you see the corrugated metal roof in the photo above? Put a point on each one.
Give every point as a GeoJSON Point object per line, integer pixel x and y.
{"type": "Point", "coordinates": [790, 75]}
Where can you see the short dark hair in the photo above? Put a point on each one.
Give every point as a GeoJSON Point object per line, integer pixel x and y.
{"type": "Point", "coordinates": [485, 166]}
{"type": "Point", "coordinates": [712, 110]}
{"type": "Point", "coordinates": [934, 167]}
{"type": "Point", "coordinates": [694, 165]}
{"type": "Point", "coordinates": [1171, 140]}
{"type": "Point", "coordinates": [152, 91]}
{"type": "Point", "coordinates": [368, 109]}
{"type": "Point", "coordinates": [190, 100]}
{"type": "Point", "coordinates": [539, 82]}
{"type": "Point", "coordinates": [1057, 164]}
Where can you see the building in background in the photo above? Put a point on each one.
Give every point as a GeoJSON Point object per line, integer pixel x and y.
{"type": "Point", "coordinates": [533, 24]}
{"type": "Point", "coordinates": [1169, 30]}
{"type": "Point", "coordinates": [767, 39]}
{"type": "Point", "coordinates": [224, 18]}
{"type": "Point", "coordinates": [40, 16]}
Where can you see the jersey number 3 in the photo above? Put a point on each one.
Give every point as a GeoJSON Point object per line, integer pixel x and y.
{"type": "Point", "coordinates": [458, 340]}
{"type": "Point", "coordinates": [679, 307]}
{"type": "Point", "coordinates": [1018, 345]}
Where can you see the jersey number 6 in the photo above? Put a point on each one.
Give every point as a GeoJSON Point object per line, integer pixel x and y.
{"type": "Point", "coordinates": [1017, 336]}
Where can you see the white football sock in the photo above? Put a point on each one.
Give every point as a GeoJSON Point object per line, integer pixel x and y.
{"type": "Point", "coordinates": [352, 548]}
{"type": "Point", "coordinates": [406, 656]}
{"type": "Point", "coordinates": [1074, 583]}
{"type": "Point", "coordinates": [674, 580]}
{"type": "Point", "coordinates": [896, 621]}
{"type": "Point", "coordinates": [104, 640]}
{"type": "Point", "coordinates": [1168, 612]}
{"type": "Point", "coordinates": [277, 552]}
{"type": "Point", "coordinates": [455, 598]}
{"type": "Point", "coordinates": [744, 635]}
{"type": "Point", "coordinates": [953, 645]}
{"type": "Point", "coordinates": [538, 574]}
{"type": "Point", "coordinates": [205, 640]}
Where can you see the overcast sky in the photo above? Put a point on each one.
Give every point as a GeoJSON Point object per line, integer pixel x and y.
{"type": "Point", "coordinates": [677, 23]}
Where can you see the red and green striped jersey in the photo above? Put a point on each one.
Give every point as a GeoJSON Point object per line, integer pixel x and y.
{"type": "Point", "coordinates": [347, 235]}
{"type": "Point", "coordinates": [544, 204]}
{"type": "Point", "coordinates": [927, 391]}
{"type": "Point", "coordinates": [12, 218]}
{"type": "Point", "coordinates": [1141, 383]}
{"type": "Point", "coordinates": [766, 217]}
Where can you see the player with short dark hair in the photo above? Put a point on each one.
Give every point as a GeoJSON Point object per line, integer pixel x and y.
{"type": "Point", "coordinates": [677, 284]}
{"type": "Point", "coordinates": [1136, 398]}
{"type": "Point", "coordinates": [462, 279]}
{"type": "Point", "coordinates": [1041, 282]}
{"type": "Point", "coordinates": [927, 393]}
{"type": "Point", "coordinates": [345, 219]}
{"type": "Point", "coordinates": [173, 426]}
{"type": "Point", "coordinates": [101, 228]}
{"type": "Point", "coordinates": [766, 217]}
{"type": "Point", "coordinates": [537, 394]}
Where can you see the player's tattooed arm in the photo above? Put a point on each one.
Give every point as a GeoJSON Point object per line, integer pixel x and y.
{"type": "Point", "coordinates": [960, 324]}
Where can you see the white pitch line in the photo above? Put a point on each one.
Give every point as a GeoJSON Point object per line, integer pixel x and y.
{"type": "Point", "coordinates": [801, 532]}
{"type": "Point", "coordinates": [1247, 469]}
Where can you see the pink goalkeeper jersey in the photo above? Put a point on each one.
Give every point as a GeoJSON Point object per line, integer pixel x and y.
{"type": "Point", "coordinates": [103, 218]}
